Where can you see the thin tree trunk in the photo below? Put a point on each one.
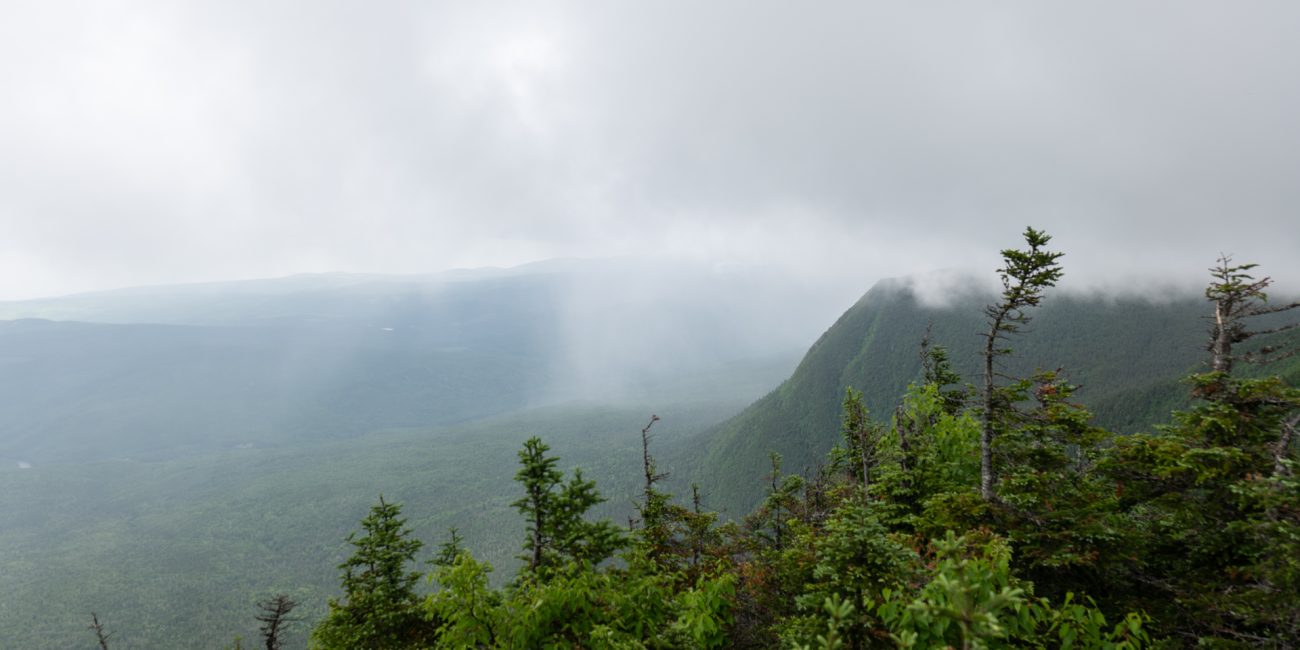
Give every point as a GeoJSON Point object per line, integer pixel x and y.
{"type": "Point", "coordinates": [1222, 345]}
{"type": "Point", "coordinates": [646, 462]}
{"type": "Point", "coordinates": [695, 543]}
{"type": "Point", "coordinates": [1284, 443]}
{"type": "Point", "coordinates": [905, 445]}
{"type": "Point", "coordinates": [537, 531]}
{"type": "Point", "coordinates": [866, 470]}
{"type": "Point", "coordinates": [776, 517]}
{"type": "Point", "coordinates": [100, 635]}
{"type": "Point", "coordinates": [986, 435]}
{"type": "Point", "coordinates": [904, 439]}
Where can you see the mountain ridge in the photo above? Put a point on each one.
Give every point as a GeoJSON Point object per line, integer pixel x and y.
{"type": "Point", "coordinates": [1127, 354]}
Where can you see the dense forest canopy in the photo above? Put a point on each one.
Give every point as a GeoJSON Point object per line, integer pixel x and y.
{"type": "Point", "coordinates": [995, 514]}
{"type": "Point", "coordinates": [286, 288]}
{"type": "Point", "coordinates": [184, 547]}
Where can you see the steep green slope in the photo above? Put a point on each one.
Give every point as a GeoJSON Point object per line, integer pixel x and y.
{"type": "Point", "coordinates": [1126, 354]}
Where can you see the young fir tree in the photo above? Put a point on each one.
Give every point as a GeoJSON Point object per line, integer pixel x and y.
{"type": "Point", "coordinates": [1208, 499]}
{"type": "Point", "coordinates": [1024, 274]}
{"type": "Point", "coordinates": [570, 599]}
{"type": "Point", "coordinates": [557, 530]}
{"type": "Point", "coordinates": [770, 522]}
{"type": "Point", "coordinates": [860, 437]}
{"type": "Point", "coordinates": [450, 549]}
{"type": "Point", "coordinates": [936, 370]}
{"type": "Point", "coordinates": [1057, 511]}
{"type": "Point", "coordinates": [380, 608]}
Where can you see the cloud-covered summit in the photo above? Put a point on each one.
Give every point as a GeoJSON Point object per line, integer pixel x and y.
{"type": "Point", "coordinates": [148, 142]}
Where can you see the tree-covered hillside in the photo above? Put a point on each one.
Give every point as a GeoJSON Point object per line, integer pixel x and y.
{"type": "Point", "coordinates": [174, 553]}
{"type": "Point", "coordinates": [177, 452]}
{"type": "Point", "coordinates": [80, 391]}
{"type": "Point", "coordinates": [175, 548]}
{"type": "Point", "coordinates": [995, 517]}
{"type": "Point", "coordinates": [166, 371]}
{"type": "Point", "coordinates": [1127, 355]}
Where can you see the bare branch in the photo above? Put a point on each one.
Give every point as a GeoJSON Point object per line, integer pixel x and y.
{"type": "Point", "coordinates": [1272, 309]}
{"type": "Point", "coordinates": [649, 463]}
{"type": "Point", "coordinates": [100, 635]}
{"type": "Point", "coordinates": [274, 616]}
{"type": "Point", "coordinates": [1237, 296]}
{"type": "Point", "coordinates": [1275, 330]}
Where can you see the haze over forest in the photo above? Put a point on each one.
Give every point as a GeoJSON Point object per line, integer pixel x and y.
{"type": "Point", "coordinates": [265, 264]}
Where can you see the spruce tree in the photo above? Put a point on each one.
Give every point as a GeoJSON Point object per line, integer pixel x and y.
{"type": "Point", "coordinates": [557, 531]}
{"type": "Point", "coordinates": [1209, 495]}
{"type": "Point", "coordinates": [1024, 274]}
{"type": "Point", "coordinates": [380, 608]}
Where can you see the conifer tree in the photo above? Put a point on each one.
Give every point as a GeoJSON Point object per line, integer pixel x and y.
{"type": "Point", "coordinates": [1208, 491]}
{"type": "Point", "coordinates": [936, 369]}
{"type": "Point", "coordinates": [274, 617]}
{"type": "Point", "coordinates": [1238, 296]}
{"type": "Point", "coordinates": [539, 477]}
{"type": "Point", "coordinates": [656, 507]}
{"type": "Point", "coordinates": [1024, 274]}
{"type": "Point", "coordinates": [557, 531]}
{"type": "Point", "coordinates": [861, 437]}
{"type": "Point", "coordinates": [380, 608]}
{"type": "Point", "coordinates": [450, 549]}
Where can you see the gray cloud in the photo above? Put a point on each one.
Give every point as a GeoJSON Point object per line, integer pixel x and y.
{"type": "Point", "coordinates": [155, 142]}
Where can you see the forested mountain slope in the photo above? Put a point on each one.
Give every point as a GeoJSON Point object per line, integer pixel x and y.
{"type": "Point", "coordinates": [80, 391]}
{"type": "Point", "coordinates": [174, 553]}
{"type": "Point", "coordinates": [1128, 356]}
{"type": "Point", "coordinates": [173, 454]}
{"type": "Point", "coordinates": [1008, 521]}
{"type": "Point", "coordinates": [158, 372]}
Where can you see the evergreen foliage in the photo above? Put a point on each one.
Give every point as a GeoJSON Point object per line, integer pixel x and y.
{"type": "Point", "coordinates": [1181, 537]}
{"type": "Point", "coordinates": [1127, 355]}
{"type": "Point", "coordinates": [1025, 275]}
{"type": "Point", "coordinates": [557, 532]}
{"type": "Point", "coordinates": [380, 608]}
{"type": "Point", "coordinates": [1186, 536]}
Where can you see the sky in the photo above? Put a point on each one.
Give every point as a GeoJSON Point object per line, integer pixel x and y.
{"type": "Point", "coordinates": [160, 142]}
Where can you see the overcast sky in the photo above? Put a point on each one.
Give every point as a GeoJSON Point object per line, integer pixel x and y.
{"type": "Point", "coordinates": [155, 142]}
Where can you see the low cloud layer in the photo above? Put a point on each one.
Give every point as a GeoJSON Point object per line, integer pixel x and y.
{"type": "Point", "coordinates": [150, 142]}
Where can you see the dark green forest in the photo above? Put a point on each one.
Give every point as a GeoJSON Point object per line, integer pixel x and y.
{"type": "Point", "coordinates": [1128, 357]}
{"type": "Point", "coordinates": [1142, 494]}
{"type": "Point", "coordinates": [985, 509]}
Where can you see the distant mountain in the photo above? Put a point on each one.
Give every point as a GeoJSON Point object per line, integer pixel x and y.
{"type": "Point", "coordinates": [160, 371]}
{"type": "Point", "coordinates": [86, 391]}
{"type": "Point", "coordinates": [1127, 355]}
{"type": "Point", "coordinates": [310, 298]}
{"type": "Point", "coordinates": [169, 455]}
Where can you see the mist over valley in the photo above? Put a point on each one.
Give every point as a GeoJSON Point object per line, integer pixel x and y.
{"type": "Point", "coordinates": [739, 324]}
{"type": "Point", "coordinates": [216, 431]}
